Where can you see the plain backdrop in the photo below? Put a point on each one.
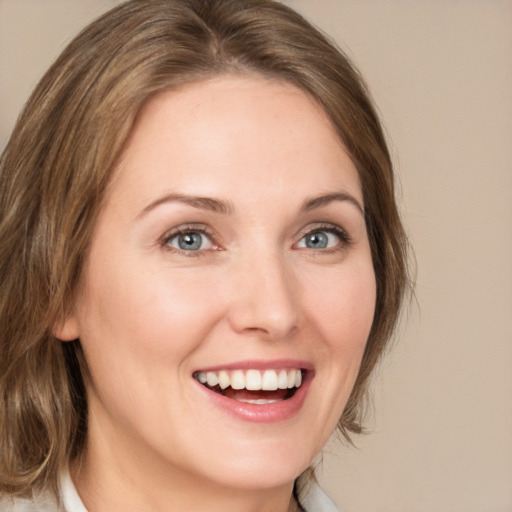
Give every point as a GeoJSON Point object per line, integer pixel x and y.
{"type": "Point", "coordinates": [441, 74]}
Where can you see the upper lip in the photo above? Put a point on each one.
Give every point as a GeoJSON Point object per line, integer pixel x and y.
{"type": "Point", "coordinates": [275, 364]}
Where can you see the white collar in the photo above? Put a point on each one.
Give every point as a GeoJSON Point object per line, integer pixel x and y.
{"type": "Point", "coordinates": [68, 494]}
{"type": "Point", "coordinates": [313, 498]}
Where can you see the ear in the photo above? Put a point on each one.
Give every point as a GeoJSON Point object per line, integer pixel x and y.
{"type": "Point", "coordinates": [66, 329]}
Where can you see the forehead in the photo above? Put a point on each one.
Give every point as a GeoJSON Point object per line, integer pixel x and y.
{"type": "Point", "coordinates": [226, 134]}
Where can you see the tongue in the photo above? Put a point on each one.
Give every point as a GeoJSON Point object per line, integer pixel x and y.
{"type": "Point", "coordinates": [244, 394]}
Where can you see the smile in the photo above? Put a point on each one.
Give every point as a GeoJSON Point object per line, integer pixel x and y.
{"type": "Point", "coordinates": [257, 387]}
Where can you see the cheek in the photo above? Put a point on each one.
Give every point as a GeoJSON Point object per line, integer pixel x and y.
{"type": "Point", "coordinates": [139, 330]}
{"type": "Point", "coordinates": [341, 309]}
{"type": "Point", "coordinates": [344, 306]}
{"type": "Point", "coordinates": [130, 313]}
{"type": "Point", "coordinates": [343, 313]}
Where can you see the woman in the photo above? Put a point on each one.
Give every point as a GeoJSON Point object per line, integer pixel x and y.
{"type": "Point", "coordinates": [201, 264]}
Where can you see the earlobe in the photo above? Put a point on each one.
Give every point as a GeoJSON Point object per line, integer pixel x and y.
{"type": "Point", "coordinates": [66, 329]}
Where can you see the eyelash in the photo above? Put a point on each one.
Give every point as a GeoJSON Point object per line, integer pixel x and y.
{"type": "Point", "coordinates": [344, 237]}
{"type": "Point", "coordinates": [185, 230]}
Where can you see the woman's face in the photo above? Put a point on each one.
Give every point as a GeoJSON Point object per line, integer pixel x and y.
{"type": "Point", "coordinates": [231, 255]}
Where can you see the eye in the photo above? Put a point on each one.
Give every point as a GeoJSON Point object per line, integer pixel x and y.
{"type": "Point", "coordinates": [190, 241]}
{"type": "Point", "coordinates": [323, 238]}
{"type": "Point", "coordinates": [318, 240]}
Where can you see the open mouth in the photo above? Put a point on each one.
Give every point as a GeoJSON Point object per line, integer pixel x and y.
{"type": "Point", "coordinates": [259, 387]}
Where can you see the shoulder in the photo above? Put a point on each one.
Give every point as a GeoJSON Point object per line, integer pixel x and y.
{"type": "Point", "coordinates": [43, 503]}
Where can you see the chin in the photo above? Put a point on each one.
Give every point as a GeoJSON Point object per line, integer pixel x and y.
{"type": "Point", "coordinates": [262, 463]}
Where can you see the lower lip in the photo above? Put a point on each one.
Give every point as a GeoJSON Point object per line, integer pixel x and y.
{"type": "Point", "coordinates": [260, 413]}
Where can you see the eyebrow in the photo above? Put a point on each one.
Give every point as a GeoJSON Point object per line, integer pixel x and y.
{"type": "Point", "coordinates": [320, 201]}
{"type": "Point", "coordinates": [225, 207]}
{"type": "Point", "coordinates": [203, 203]}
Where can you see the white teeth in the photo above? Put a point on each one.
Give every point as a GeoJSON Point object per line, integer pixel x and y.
{"type": "Point", "coordinates": [282, 381]}
{"type": "Point", "coordinates": [260, 401]}
{"type": "Point", "coordinates": [224, 380]}
{"type": "Point", "coordinates": [212, 379]}
{"type": "Point", "coordinates": [252, 380]}
{"type": "Point", "coordinates": [238, 380]}
{"type": "Point", "coordinates": [298, 378]}
{"type": "Point", "coordinates": [291, 380]}
{"type": "Point", "coordinates": [269, 380]}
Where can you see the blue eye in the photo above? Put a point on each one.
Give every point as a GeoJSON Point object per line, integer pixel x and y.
{"type": "Point", "coordinates": [319, 239]}
{"type": "Point", "coordinates": [190, 241]}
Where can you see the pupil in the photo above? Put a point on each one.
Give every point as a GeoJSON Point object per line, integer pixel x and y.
{"type": "Point", "coordinates": [317, 241]}
{"type": "Point", "coordinates": [190, 241]}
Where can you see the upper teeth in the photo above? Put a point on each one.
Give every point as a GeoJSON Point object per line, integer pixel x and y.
{"type": "Point", "coordinates": [252, 380]}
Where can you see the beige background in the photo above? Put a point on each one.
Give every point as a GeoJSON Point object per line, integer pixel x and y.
{"type": "Point", "coordinates": [441, 72]}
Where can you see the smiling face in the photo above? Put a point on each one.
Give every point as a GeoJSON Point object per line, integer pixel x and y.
{"type": "Point", "coordinates": [228, 292]}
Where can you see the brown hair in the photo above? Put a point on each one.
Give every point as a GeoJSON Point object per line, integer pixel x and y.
{"type": "Point", "coordinates": [55, 168]}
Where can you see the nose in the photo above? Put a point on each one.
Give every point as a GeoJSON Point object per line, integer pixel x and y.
{"type": "Point", "coordinates": [264, 297]}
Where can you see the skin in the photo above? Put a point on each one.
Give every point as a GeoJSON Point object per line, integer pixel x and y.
{"type": "Point", "coordinates": [150, 314]}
